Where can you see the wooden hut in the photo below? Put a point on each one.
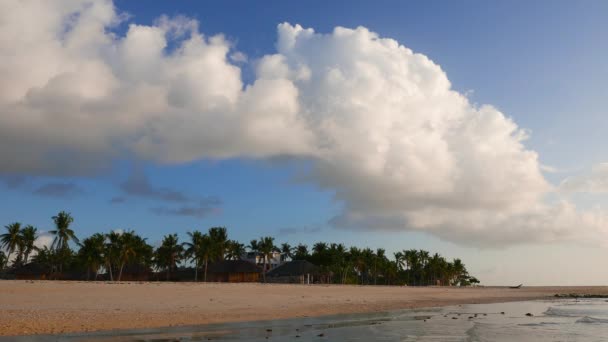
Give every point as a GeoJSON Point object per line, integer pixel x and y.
{"type": "Point", "coordinates": [295, 272]}
{"type": "Point", "coordinates": [233, 271]}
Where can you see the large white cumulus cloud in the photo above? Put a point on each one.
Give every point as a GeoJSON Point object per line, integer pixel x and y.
{"type": "Point", "coordinates": [380, 123]}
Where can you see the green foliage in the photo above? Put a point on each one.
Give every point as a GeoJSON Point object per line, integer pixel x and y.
{"type": "Point", "coordinates": [3, 259]}
{"type": "Point", "coordinates": [116, 251]}
{"type": "Point", "coordinates": [169, 254]}
{"type": "Point", "coordinates": [63, 233]}
{"type": "Point", "coordinates": [10, 240]}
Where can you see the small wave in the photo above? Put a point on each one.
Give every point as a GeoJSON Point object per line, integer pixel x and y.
{"type": "Point", "coordinates": [538, 324]}
{"type": "Point", "coordinates": [553, 311]}
{"type": "Point", "coordinates": [592, 320]}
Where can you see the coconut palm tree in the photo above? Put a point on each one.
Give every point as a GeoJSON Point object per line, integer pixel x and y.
{"type": "Point", "coordinates": [10, 240]}
{"type": "Point", "coordinates": [219, 242]}
{"type": "Point", "coordinates": [63, 233]}
{"type": "Point", "coordinates": [198, 250]}
{"type": "Point", "coordinates": [301, 252]}
{"type": "Point", "coordinates": [111, 251]}
{"type": "Point", "coordinates": [169, 254]}
{"type": "Point", "coordinates": [129, 247]}
{"type": "Point", "coordinates": [28, 238]}
{"type": "Point", "coordinates": [91, 253]}
{"type": "Point", "coordinates": [266, 247]}
{"type": "Point", "coordinates": [286, 252]}
{"type": "Point", "coordinates": [235, 250]}
{"type": "Point", "coordinates": [2, 260]}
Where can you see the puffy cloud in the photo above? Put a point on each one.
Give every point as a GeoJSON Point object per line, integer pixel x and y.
{"type": "Point", "coordinates": [381, 124]}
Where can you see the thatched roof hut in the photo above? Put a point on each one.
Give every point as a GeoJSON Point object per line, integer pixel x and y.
{"type": "Point", "coordinates": [233, 271]}
{"type": "Point", "coordinates": [296, 271]}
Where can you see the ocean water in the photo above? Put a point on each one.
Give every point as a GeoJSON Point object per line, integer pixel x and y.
{"type": "Point", "coordinates": [554, 320]}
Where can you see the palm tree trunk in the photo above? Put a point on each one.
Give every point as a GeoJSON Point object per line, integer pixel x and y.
{"type": "Point", "coordinates": [110, 270]}
{"type": "Point", "coordinates": [196, 271]}
{"type": "Point", "coordinates": [264, 270]}
{"type": "Point", "coordinates": [122, 265]}
{"type": "Point", "coordinates": [206, 264]}
{"type": "Point", "coordinates": [8, 258]}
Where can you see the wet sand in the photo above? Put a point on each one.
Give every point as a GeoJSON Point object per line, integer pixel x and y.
{"type": "Point", "coordinates": [50, 307]}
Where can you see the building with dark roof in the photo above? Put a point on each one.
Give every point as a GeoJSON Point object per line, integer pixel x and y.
{"type": "Point", "coordinates": [233, 271]}
{"type": "Point", "coordinates": [295, 272]}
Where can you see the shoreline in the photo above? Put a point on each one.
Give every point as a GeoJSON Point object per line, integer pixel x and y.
{"type": "Point", "coordinates": [56, 307]}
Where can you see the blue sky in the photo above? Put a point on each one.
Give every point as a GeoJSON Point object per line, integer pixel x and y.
{"type": "Point", "coordinates": [541, 63]}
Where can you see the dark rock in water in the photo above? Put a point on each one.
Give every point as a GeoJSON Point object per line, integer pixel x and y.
{"type": "Point", "coordinates": [454, 318]}
{"type": "Point", "coordinates": [502, 312]}
{"type": "Point", "coordinates": [529, 314]}
{"type": "Point", "coordinates": [297, 336]}
{"type": "Point", "coordinates": [268, 330]}
{"type": "Point", "coordinates": [321, 335]}
{"type": "Point", "coordinates": [471, 317]}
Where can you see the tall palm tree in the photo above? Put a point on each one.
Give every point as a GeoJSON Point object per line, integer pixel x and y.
{"type": "Point", "coordinates": [286, 252]}
{"type": "Point", "coordinates": [111, 251]}
{"type": "Point", "coordinates": [266, 247]}
{"type": "Point", "coordinates": [199, 250]}
{"type": "Point", "coordinates": [2, 260]}
{"type": "Point", "coordinates": [91, 253]}
{"type": "Point", "coordinates": [130, 247]}
{"type": "Point", "coordinates": [28, 238]}
{"type": "Point", "coordinates": [10, 240]}
{"type": "Point", "coordinates": [301, 252]}
{"type": "Point", "coordinates": [254, 248]}
{"type": "Point", "coordinates": [235, 250]}
{"type": "Point", "coordinates": [63, 233]}
{"type": "Point", "coordinates": [169, 254]}
{"type": "Point", "coordinates": [219, 242]}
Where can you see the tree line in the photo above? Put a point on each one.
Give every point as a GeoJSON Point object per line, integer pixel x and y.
{"type": "Point", "coordinates": [117, 252]}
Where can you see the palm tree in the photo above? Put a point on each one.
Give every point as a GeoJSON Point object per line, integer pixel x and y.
{"type": "Point", "coordinates": [254, 248]}
{"type": "Point", "coordinates": [130, 247]}
{"type": "Point", "coordinates": [219, 242]}
{"type": "Point", "coordinates": [235, 250]}
{"type": "Point", "coordinates": [63, 233]}
{"type": "Point", "coordinates": [301, 252]}
{"type": "Point", "coordinates": [2, 260]}
{"type": "Point", "coordinates": [286, 251]}
{"type": "Point", "coordinates": [199, 250]}
{"type": "Point", "coordinates": [111, 251]}
{"type": "Point", "coordinates": [266, 247]}
{"type": "Point", "coordinates": [10, 240]}
{"type": "Point", "coordinates": [169, 254]}
{"type": "Point", "coordinates": [91, 253]}
{"type": "Point", "coordinates": [28, 238]}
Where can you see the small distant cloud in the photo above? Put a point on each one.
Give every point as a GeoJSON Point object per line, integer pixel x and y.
{"type": "Point", "coordinates": [138, 185]}
{"type": "Point", "coordinates": [203, 208]}
{"type": "Point", "coordinates": [238, 57]}
{"type": "Point", "coordinates": [118, 199]}
{"type": "Point", "coordinates": [64, 190]}
{"type": "Point", "coordinates": [13, 181]}
{"type": "Point", "coordinates": [595, 181]}
{"type": "Point", "coordinates": [549, 168]}
{"type": "Point", "coordinates": [299, 230]}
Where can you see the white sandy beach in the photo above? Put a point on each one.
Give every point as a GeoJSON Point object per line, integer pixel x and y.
{"type": "Point", "coordinates": [42, 307]}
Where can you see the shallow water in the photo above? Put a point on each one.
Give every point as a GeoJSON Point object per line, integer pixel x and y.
{"type": "Point", "coordinates": [559, 320]}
